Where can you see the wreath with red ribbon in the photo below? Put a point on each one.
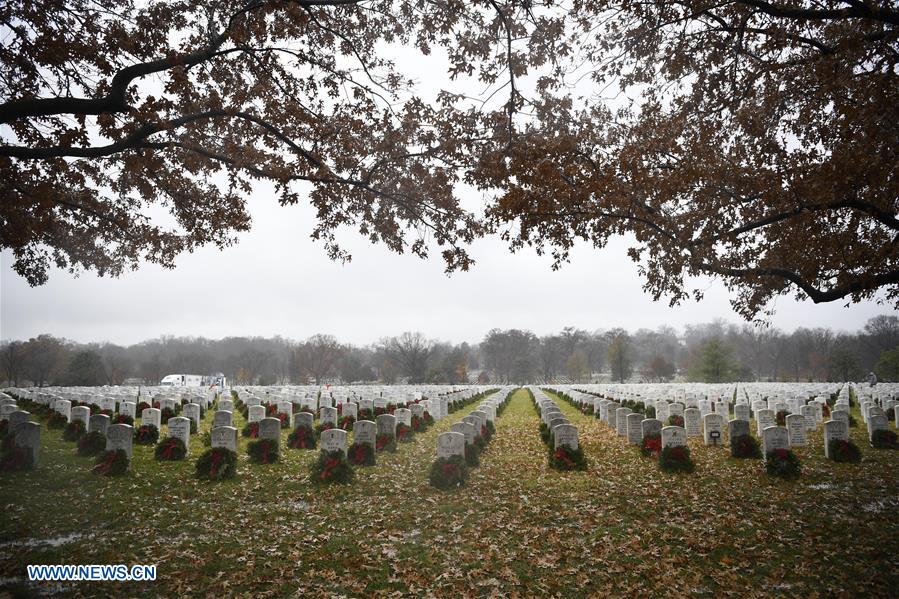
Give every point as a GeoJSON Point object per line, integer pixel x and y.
{"type": "Point", "coordinates": [651, 446]}
{"type": "Point", "coordinates": [404, 433]}
{"type": "Point", "coordinates": [332, 467]}
{"type": "Point", "coordinates": [170, 449]}
{"type": "Point", "coordinates": [302, 437]}
{"type": "Point", "coordinates": [147, 434]}
{"type": "Point", "coordinates": [361, 454]}
{"type": "Point", "coordinates": [91, 444]}
{"type": "Point", "coordinates": [385, 442]}
{"type": "Point", "coordinates": [448, 473]}
{"type": "Point", "coordinates": [217, 464]}
{"type": "Point", "coordinates": [676, 459]}
{"type": "Point", "coordinates": [566, 458]}
{"type": "Point", "coordinates": [263, 451]}
{"type": "Point", "coordinates": [111, 463]}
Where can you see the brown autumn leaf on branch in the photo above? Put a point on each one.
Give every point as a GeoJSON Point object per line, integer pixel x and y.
{"type": "Point", "coordinates": [752, 141]}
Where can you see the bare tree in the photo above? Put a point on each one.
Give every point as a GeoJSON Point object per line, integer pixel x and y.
{"type": "Point", "coordinates": [318, 356]}
{"type": "Point", "coordinates": [409, 353]}
{"type": "Point", "coordinates": [11, 357]}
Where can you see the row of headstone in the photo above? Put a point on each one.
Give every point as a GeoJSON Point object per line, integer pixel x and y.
{"type": "Point", "coordinates": [467, 431]}
{"type": "Point", "coordinates": [563, 433]}
{"type": "Point", "coordinates": [21, 432]}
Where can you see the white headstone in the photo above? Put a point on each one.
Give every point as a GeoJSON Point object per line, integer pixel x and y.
{"type": "Point", "coordinates": [876, 422]}
{"type": "Point", "coordinates": [128, 408]}
{"type": "Point", "coordinates": [651, 426]}
{"type": "Point", "coordinates": [256, 413]}
{"type": "Point", "coordinates": [120, 436]}
{"type": "Point", "coordinates": [621, 415]}
{"type": "Point", "coordinates": [334, 440]}
{"type": "Point", "coordinates": [834, 429]}
{"type": "Point", "coordinates": [737, 428]}
{"type": "Point", "coordinates": [222, 418]}
{"type": "Point", "coordinates": [450, 444]}
{"type": "Point", "coordinates": [64, 407]}
{"type": "Point", "coordinates": [634, 428]}
{"type": "Point", "coordinates": [365, 431]}
{"type": "Point", "coordinates": [81, 414]}
{"type": "Point", "coordinates": [565, 434]}
{"type": "Point", "coordinates": [327, 415]}
{"type": "Point", "coordinates": [224, 436]}
{"type": "Point", "coordinates": [674, 436]}
{"type": "Point", "coordinates": [796, 427]}
{"type": "Point", "coordinates": [403, 416]}
{"type": "Point", "coordinates": [28, 437]}
{"type": "Point", "coordinates": [466, 429]}
{"type": "Point", "coordinates": [270, 428]}
{"type": "Point", "coordinates": [179, 428]}
{"type": "Point", "coordinates": [98, 423]}
{"type": "Point", "coordinates": [304, 419]}
{"type": "Point", "coordinates": [713, 428]}
{"type": "Point", "coordinates": [693, 422]}
{"type": "Point", "coordinates": [386, 424]}
{"type": "Point", "coordinates": [764, 419]}
{"type": "Point", "coordinates": [151, 416]}
{"type": "Point", "coordinates": [775, 437]}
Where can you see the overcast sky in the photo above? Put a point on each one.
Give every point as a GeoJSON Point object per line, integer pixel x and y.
{"type": "Point", "coordinates": [276, 281]}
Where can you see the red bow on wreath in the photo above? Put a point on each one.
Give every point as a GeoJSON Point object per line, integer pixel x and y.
{"type": "Point", "coordinates": [168, 449]}
{"type": "Point", "coordinates": [217, 458]}
{"type": "Point", "coordinates": [562, 455]}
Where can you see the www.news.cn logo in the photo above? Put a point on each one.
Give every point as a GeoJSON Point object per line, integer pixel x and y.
{"type": "Point", "coordinates": [118, 572]}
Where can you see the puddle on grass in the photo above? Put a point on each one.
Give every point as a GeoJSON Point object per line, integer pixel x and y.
{"type": "Point", "coordinates": [300, 506]}
{"type": "Point", "coordinates": [34, 589]}
{"type": "Point", "coordinates": [880, 505]}
{"type": "Point", "coordinates": [54, 542]}
{"type": "Point", "coordinates": [822, 486]}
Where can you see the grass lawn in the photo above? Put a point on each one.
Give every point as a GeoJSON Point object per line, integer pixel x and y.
{"type": "Point", "coordinates": [519, 528]}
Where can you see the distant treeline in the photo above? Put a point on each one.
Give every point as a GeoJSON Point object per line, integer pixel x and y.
{"type": "Point", "coordinates": [709, 352]}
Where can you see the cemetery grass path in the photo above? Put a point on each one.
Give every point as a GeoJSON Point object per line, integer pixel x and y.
{"type": "Point", "coordinates": [519, 528]}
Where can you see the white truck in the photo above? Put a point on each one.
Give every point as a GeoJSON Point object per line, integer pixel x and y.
{"type": "Point", "coordinates": [182, 380]}
{"type": "Point", "coordinates": [193, 380]}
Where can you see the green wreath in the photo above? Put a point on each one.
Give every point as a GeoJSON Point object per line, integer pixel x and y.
{"type": "Point", "coordinates": [676, 459]}
{"type": "Point", "coordinates": [57, 421]}
{"type": "Point", "coordinates": [123, 419]}
{"type": "Point", "coordinates": [302, 437]}
{"type": "Point", "coordinates": [91, 443]}
{"type": "Point", "coordinates": [385, 442]}
{"type": "Point", "coordinates": [216, 464]}
{"type": "Point", "coordinates": [170, 449]}
{"type": "Point", "coordinates": [884, 439]}
{"type": "Point", "coordinates": [566, 458]}
{"type": "Point", "coordinates": [332, 467]}
{"type": "Point", "coordinates": [73, 431]}
{"type": "Point", "coordinates": [113, 462]}
{"type": "Point", "coordinates": [251, 430]}
{"type": "Point", "coordinates": [361, 454]}
{"type": "Point", "coordinates": [448, 473]}
{"type": "Point", "coordinates": [16, 458]}
{"type": "Point", "coordinates": [147, 434]}
{"type": "Point", "coordinates": [844, 451]}
{"type": "Point", "coordinates": [404, 433]}
{"type": "Point", "coordinates": [783, 463]}
{"type": "Point", "coordinates": [263, 451]}
{"type": "Point", "coordinates": [472, 455]}
{"type": "Point", "coordinates": [745, 447]}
